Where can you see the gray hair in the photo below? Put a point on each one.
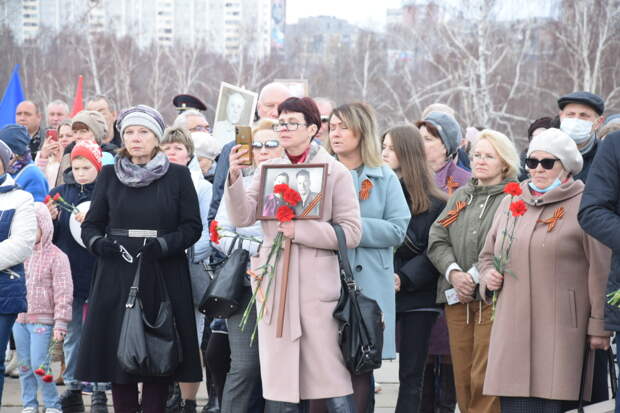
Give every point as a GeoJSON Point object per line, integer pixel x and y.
{"type": "Point", "coordinates": [107, 100]}
{"type": "Point", "coordinates": [58, 102]}
{"type": "Point", "coordinates": [181, 120]}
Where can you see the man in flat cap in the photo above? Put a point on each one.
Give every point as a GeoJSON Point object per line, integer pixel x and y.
{"type": "Point", "coordinates": [581, 114]}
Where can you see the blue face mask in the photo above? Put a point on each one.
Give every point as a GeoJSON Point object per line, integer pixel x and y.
{"type": "Point", "coordinates": [554, 185]}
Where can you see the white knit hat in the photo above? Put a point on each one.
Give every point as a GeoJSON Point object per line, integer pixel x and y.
{"type": "Point", "coordinates": [560, 145]}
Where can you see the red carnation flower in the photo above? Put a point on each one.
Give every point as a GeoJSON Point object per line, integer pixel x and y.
{"type": "Point", "coordinates": [48, 378]}
{"type": "Point", "coordinates": [291, 197]}
{"type": "Point", "coordinates": [47, 199]}
{"type": "Point", "coordinates": [284, 214]}
{"type": "Point", "coordinates": [215, 237]}
{"type": "Point", "coordinates": [57, 196]}
{"type": "Point", "coordinates": [39, 372]}
{"type": "Point", "coordinates": [281, 189]}
{"type": "Point", "coordinates": [513, 189]}
{"type": "Point", "coordinates": [518, 208]}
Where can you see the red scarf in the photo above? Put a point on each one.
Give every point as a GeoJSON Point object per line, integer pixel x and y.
{"type": "Point", "coordinates": [295, 159]}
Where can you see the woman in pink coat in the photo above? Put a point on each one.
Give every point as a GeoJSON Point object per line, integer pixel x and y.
{"type": "Point", "coordinates": [550, 307]}
{"type": "Point", "coordinates": [306, 362]}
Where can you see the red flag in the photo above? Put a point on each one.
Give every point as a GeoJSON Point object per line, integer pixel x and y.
{"type": "Point", "coordinates": [78, 102]}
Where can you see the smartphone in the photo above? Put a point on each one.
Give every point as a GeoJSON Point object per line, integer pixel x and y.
{"type": "Point", "coordinates": [243, 136]}
{"type": "Point", "coordinates": [52, 135]}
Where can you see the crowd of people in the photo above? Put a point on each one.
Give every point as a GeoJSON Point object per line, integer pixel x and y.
{"type": "Point", "coordinates": [496, 271]}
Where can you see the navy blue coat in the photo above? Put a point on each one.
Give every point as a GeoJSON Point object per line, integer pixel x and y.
{"type": "Point", "coordinates": [599, 213]}
{"type": "Point", "coordinates": [82, 262]}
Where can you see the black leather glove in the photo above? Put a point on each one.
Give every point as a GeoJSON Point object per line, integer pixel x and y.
{"type": "Point", "coordinates": [152, 250]}
{"type": "Point", "coordinates": [106, 248]}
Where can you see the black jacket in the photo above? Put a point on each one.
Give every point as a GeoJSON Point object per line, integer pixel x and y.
{"type": "Point", "coordinates": [588, 158]}
{"type": "Point", "coordinates": [170, 206]}
{"type": "Point", "coordinates": [82, 262]}
{"type": "Point", "coordinates": [418, 276]}
{"type": "Point", "coordinates": [599, 214]}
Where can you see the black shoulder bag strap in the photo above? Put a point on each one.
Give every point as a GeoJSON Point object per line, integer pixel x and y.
{"type": "Point", "coordinates": [612, 375]}
{"type": "Point", "coordinates": [346, 276]}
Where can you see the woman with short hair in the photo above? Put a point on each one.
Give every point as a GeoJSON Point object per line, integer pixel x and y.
{"type": "Point", "coordinates": [455, 241]}
{"type": "Point", "coordinates": [148, 206]}
{"type": "Point", "coordinates": [306, 362]}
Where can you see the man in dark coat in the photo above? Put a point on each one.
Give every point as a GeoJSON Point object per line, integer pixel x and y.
{"type": "Point", "coordinates": [599, 214]}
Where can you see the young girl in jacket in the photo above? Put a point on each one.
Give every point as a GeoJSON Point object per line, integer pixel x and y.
{"type": "Point", "coordinates": [49, 293]}
{"type": "Point", "coordinates": [415, 277]}
{"type": "Point", "coordinates": [86, 162]}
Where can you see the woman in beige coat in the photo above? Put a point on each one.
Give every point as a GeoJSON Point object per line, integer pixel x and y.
{"type": "Point", "coordinates": [553, 305]}
{"type": "Point", "coordinates": [306, 362]}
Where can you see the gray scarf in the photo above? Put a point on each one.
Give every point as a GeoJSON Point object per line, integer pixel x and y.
{"type": "Point", "coordinates": [138, 176]}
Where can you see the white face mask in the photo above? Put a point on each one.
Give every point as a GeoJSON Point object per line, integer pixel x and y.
{"type": "Point", "coordinates": [578, 129]}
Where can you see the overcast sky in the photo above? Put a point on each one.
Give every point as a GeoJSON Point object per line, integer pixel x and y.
{"type": "Point", "coordinates": [371, 13]}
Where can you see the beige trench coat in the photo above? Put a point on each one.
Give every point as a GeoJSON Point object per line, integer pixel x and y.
{"type": "Point", "coordinates": [555, 299]}
{"type": "Point", "coordinates": [306, 363]}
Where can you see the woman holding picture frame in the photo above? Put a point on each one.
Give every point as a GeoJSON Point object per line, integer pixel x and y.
{"type": "Point", "coordinates": [308, 346]}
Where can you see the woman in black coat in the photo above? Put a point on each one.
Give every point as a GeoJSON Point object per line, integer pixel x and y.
{"type": "Point", "coordinates": [415, 278]}
{"type": "Point", "coordinates": [143, 191]}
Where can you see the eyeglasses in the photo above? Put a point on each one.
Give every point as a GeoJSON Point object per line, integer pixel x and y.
{"type": "Point", "coordinates": [292, 126]}
{"type": "Point", "coordinates": [324, 119]}
{"type": "Point", "coordinates": [547, 163]}
{"type": "Point", "coordinates": [200, 128]}
{"type": "Point", "coordinates": [271, 144]}
{"type": "Point", "coordinates": [480, 157]}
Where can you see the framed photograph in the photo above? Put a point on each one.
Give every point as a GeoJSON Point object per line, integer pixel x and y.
{"type": "Point", "coordinates": [235, 107]}
{"type": "Point", "coordinates": [307, 179]}
{"type": "Point", "coordinates": [298, 87]}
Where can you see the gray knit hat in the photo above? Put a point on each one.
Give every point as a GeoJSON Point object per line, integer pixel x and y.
{"type": "Point", "coordinates": [448, 128]}
{"type": "Point", "coordinates": [143, 115]}
{"type": "Point", "coordinates": [5, 155]}
{"type": "Point", "coordinates": [94, 121]}
{"type": "Point", "coordinates": [560, 145]}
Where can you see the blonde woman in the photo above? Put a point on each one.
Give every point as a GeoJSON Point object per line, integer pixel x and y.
{"type": "Point", "coordinates": [455, 240]}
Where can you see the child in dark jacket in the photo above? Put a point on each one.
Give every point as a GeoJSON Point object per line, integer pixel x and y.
{"type": "Point", "coordinates": [78, 188]}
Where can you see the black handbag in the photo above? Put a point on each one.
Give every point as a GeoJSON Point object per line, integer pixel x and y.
{"type": "Point", "coordinates": [199, 275]}
{"type": "Point", "coordinates": [360, 334]}
{"type": "Point", "coordinates": [223, 296]}
{"type": "Point", "coordinates": [144, 348]}
{"type": "Point", "coordinates": [612, 377]}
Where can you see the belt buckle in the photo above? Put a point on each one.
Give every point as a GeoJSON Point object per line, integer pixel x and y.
{"type": "Point", "coordinates": [142, 233]}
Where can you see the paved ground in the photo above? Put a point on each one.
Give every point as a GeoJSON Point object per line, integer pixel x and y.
{"type": "Point", "coordinates": [385, 400]}
{"type": "Point", "coordinates": [387, 375]}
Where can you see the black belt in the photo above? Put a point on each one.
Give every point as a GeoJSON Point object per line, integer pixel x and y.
{"type": "Point", "coordinates": [133, 233]}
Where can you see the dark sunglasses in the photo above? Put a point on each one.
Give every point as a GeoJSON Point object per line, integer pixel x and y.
{"type": "Point", "coordinates": [546, 163]}
{"type": "Point", "coordinates": [271, 144]}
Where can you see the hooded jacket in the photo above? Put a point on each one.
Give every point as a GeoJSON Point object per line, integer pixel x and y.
{"type": "Point", "coordinates": [48, 279]}
{"type": "Point", "coordinates": [82, 262]}
{"type": "Point", "coordinates": [18, 229]}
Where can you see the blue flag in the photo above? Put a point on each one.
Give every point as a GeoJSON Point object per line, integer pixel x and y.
{"type": "Point", "coordinates": [13, 95]}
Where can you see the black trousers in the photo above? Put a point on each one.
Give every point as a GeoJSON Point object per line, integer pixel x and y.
{"type": "Point", "coordinates": [415, 331]}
